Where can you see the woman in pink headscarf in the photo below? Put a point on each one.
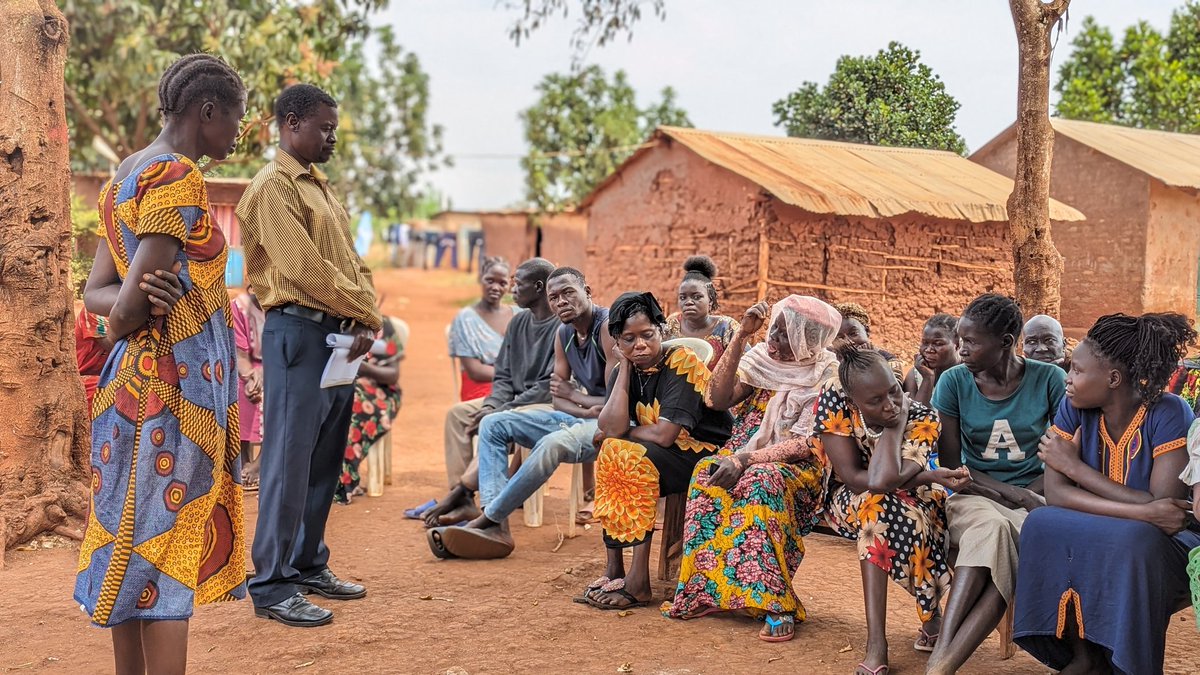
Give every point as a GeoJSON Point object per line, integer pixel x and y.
{"type": "Point", "coordinates": [749, 506]}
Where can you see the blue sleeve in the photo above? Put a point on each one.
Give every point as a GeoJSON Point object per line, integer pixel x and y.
{"type": "Point", "coordinates": [1066, 422]}
{"type": "Point", "coordinates": [945, 394]}
{"type": "Point", "coordinates": [1172, 420]}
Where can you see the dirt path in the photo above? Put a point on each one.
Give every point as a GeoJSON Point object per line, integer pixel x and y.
{"type": "Point", "coordinates": [512, 615]}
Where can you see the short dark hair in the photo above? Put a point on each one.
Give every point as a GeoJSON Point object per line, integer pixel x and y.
{"type": "Point", "coordinates": [998, 314]}
{"type": "Point", "coordinates": [198, 77]}
{"type": "Point", "coordinates": [302, 100]}
{"type": "Point", "coordinates": [568, 272]}
{"type": "Point", "coordinates": [947, 322]}
{"type": "Point", "coordinates": [538, 269]}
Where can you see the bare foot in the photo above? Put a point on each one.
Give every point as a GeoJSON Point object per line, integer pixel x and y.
{"type": "Point", "coordinates": [458, 497]}
{"type": "Point", "coordinates": [455, 516]}
{"type": "Point", "coordinates": [250, 474]}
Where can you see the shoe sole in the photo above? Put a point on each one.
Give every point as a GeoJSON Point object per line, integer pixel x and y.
{"type": "Point", "coordinates": [268, 614]}
{"type": "Point", "coordinates": [306, 590]}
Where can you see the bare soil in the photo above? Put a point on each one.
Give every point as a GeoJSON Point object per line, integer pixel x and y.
{"type": "Point", "coordinates": [423, 615]}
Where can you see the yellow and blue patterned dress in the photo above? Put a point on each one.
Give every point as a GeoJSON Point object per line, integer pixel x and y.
{"type": "Point", "coordinates": [165, 530]}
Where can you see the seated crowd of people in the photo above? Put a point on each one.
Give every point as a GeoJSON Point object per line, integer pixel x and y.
{"type": "Point", "coordinates": [1001, 467]}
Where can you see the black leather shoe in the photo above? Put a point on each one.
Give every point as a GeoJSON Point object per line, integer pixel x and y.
{"type": "Point", "coordinates": [296, 611]}
{"type": "Point", "coordinates": [326, 585]}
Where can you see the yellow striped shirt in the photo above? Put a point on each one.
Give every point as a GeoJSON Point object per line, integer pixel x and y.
{"type": "Point", "coordinates": [298, 246]}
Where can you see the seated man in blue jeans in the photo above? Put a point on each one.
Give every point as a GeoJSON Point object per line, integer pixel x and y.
{"type": "Point", "coordinates": [564, 434]}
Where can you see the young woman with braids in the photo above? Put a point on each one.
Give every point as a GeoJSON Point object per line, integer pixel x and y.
{"type": "Point", "coordinates": [881, 493]}
{"type": "Point", "coordinates": [1103, 566]}
{"type": "Point", "coordinates": [653, 430]}
{"type": "Point", "coordinates": [165, 531]}
{"type": "Point", "coordinates": [478, 330]}
{"type": "Point", "coordinates": [994, 408]}
{"type": "Point", "coordinates": [697, 302]}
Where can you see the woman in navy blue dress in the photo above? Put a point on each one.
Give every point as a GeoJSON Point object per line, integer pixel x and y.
{"type": "Point", "coordinates": [1102, 568]}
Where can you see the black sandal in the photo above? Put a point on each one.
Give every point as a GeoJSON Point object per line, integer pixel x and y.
{"type": "Point", "coordinates": [634, 603]}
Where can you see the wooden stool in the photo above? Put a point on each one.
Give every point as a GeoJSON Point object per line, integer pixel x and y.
{"type": "Point", "coordinates": [574, 500]}
{"type": "Point", "coordinates": [670, 546]}
{"type": "Point", "coordinates": [1005, 631]}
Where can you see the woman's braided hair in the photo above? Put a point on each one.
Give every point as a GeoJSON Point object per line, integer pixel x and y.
{"type": "Point", "coordinates": [490, 262]}
{"type": "Point", "coordinates": [998, 314]}
{"type": "Point", "coordinates": [198, 77]}
{"type": "Point", "coordinates": [1148, 347]}
{"type": "Point", "coordinates": [855, 359]}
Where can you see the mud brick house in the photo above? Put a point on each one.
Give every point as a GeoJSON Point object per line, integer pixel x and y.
{"type": "Point", "coordinates": [904, 232]}
{"type": "Point", "coordinates": [519, 235]}
{"type": "Point", "coordinates": [1139, 249]}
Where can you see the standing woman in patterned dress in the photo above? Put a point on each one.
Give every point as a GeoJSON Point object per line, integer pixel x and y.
{"type": "Point", "coordinates": [165, 530]}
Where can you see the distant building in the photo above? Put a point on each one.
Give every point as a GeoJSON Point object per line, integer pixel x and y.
{"type": "Point", "coordinates": [1139, 249]}
{"type": "Point", "coordinates": [906, 233]}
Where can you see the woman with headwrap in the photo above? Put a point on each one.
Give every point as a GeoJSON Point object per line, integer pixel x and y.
{"type": "Point", "coordinates": [749, 507]}
{"type": "Point", "coordinates": [653, 429]}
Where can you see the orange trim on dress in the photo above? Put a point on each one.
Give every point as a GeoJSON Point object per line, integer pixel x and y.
{"type": "Point", "coordinates": [1119, 457]}
{"type": "Point", "coordinates": [1062, 434]}
{"type": "Point", "coordinates": [1169, 446]}
{"type": "Point", "coordinates": [1067, 596]}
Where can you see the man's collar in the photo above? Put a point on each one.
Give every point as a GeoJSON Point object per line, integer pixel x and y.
{"type": "Point", "coordinates": [292, 167]}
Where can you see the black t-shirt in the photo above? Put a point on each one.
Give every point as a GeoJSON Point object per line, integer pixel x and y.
{"type": "Point", "coordinates": [674, 390]}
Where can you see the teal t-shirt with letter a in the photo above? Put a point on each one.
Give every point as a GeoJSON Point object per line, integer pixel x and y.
{"type": "Point", "coordinates": [1001, 437]}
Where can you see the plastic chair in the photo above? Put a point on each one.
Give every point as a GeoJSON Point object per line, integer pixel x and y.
{"type": "Point", "coordinates": [379, 457]}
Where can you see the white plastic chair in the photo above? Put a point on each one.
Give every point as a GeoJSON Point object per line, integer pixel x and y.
{"type": "Point", "coordinates": [379, 457]}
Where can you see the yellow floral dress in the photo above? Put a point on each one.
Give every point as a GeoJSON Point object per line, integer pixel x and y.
{"type": "Point", "coordinates": [631, 475]}
{"type": "Point", "coordinates": [903, 532]}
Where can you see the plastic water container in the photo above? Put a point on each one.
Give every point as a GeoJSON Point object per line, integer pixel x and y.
{"type": "Point", "coordinates": [235, 268]}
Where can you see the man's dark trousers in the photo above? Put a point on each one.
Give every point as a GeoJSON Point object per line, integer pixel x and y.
{"type": "Point", "coordinates": [304, 441]}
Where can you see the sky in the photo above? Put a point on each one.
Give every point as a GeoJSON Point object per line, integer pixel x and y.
{"type": "Point", "coordinates": [727, 60]}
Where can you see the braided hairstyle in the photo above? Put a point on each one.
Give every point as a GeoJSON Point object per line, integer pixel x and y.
{"type": "Point", "coordinates": [198, 77]}
{"type": "Point", "coordinates": [855, 359]}
{"type": "Point", "coordinates": [702, 268]}
{"type": "Point", "coordinates": [853, 310]}
{"type": "Point", "coordinates": [1147, 347]}
{"type": "Point", "coordinates": [489, 263]}
{"type": "Point", "coordinates": [998, 314]}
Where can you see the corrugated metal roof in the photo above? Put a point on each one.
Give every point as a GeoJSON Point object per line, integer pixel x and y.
{"type": "Point", "coordinates": [852, 179]}
{"type": "Point", "coordinates": [1172, 158]}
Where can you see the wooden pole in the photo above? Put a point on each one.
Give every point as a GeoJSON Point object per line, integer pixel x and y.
{"type": "Point", "coordinates": [764, 265]}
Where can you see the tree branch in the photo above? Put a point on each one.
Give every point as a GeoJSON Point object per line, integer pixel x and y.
{"type": "Point", "coordinates": [1055, 9]}
{"type": "Point", "coordinates": [81, 115]}
{"type": "Point", "coordinates": [110, 116]}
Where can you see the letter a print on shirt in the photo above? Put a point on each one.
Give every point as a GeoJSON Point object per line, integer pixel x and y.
{"type": "Point", "coordinates": [1003, 439]}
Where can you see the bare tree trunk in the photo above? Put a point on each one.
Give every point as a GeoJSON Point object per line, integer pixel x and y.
{"type": "Point", "coordinates": [1037, 272]}
{"type": "Point", "coordinates": [44, 438]}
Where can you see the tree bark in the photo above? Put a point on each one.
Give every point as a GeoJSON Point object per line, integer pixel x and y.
{"type": "Point", "coordinates": [44, 438]}
{"type": "Point", "coordinates": [1037, 265]}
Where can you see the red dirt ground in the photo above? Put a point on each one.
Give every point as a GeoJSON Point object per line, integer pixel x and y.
{"type": "Point", "coordinates": [512, 615]}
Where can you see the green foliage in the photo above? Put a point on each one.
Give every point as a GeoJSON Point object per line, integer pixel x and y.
{"type": "Point", "coordinates": [85, 221]}
{"type": "Point", "coordinates": [119, 48]}
{"type": "Point", "coordinates": [581, 129]}
{"type": "Point", "coordinates": [1150, 80]}
{"type": "Point", "coordinates": [890, 98]}
{"type": "Point", "coordinates": [599, 22]}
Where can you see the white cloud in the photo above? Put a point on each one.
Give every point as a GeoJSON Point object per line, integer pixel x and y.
{"type": "Point", "coordinates": [728, 62]}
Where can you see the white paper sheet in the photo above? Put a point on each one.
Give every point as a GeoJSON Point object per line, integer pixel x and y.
{"type": "Point", "coordinates": [340, 370]}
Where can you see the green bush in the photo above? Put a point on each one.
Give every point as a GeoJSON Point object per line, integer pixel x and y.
{"type": "Point", "coordinates": [85, 223]}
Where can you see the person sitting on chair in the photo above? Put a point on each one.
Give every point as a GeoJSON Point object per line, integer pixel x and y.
{"type": "Point", "coordinates": [563, 434]}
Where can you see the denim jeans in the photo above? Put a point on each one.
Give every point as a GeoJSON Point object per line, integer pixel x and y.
{"type": "Point", "coordinates": [555, 437]}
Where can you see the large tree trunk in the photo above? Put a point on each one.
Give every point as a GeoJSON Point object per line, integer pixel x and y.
{"type": "Point", "coordinates": [1037, 265]}
{"type": "Point", "coordinates": [44, 437]}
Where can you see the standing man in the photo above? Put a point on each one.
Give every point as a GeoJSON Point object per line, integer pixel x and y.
{"type": "Point", "coordinates": [301, 261]}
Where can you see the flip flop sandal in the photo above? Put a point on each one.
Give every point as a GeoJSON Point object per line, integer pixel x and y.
{"type": "Point", "coordinates": [773, 623]}
{"type": "Point", "coordinates": [704, 612]}
{"type": "Point", "coordinates": [925, 642]}
{"type": "Point", "coordinates": [418, 512]}
{"type": "Point", "coordinates": [634, 603]}
{"type": "Point", "coordinates": [434, 537]}
{"type": "Point", "coordinates": [473, 544]}
{"type": "Point", "coordinates": [590, 589]}
{"type": "Point", "coordinates": [881, 670]}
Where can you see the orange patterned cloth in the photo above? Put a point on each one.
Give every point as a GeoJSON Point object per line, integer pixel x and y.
{"type": "Point", "coordinates": [165, 529]}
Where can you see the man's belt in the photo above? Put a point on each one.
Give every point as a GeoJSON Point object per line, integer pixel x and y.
{"type": "Point", "coordinates": [326, 320]}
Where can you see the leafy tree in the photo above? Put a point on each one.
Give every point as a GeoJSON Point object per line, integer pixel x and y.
{"type": "Point", "coordinates": [890, 98]}
{"type": "Point", "coordinates": [581, 128]}
{"type": "Point", "coordinates": [1151, 80]}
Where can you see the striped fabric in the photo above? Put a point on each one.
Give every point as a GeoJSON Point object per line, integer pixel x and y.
{"type": "Point", "coordinates": [298, 245]}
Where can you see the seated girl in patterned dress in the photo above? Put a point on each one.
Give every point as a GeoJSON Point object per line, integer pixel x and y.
{"type": "Point", "coordinates": [882, 494]}
{"type": "Point", "coordinates": [653, 430]}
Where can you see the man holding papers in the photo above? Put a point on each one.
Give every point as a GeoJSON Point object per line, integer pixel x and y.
{"type": "Point", "coordinates": [301, 261]}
